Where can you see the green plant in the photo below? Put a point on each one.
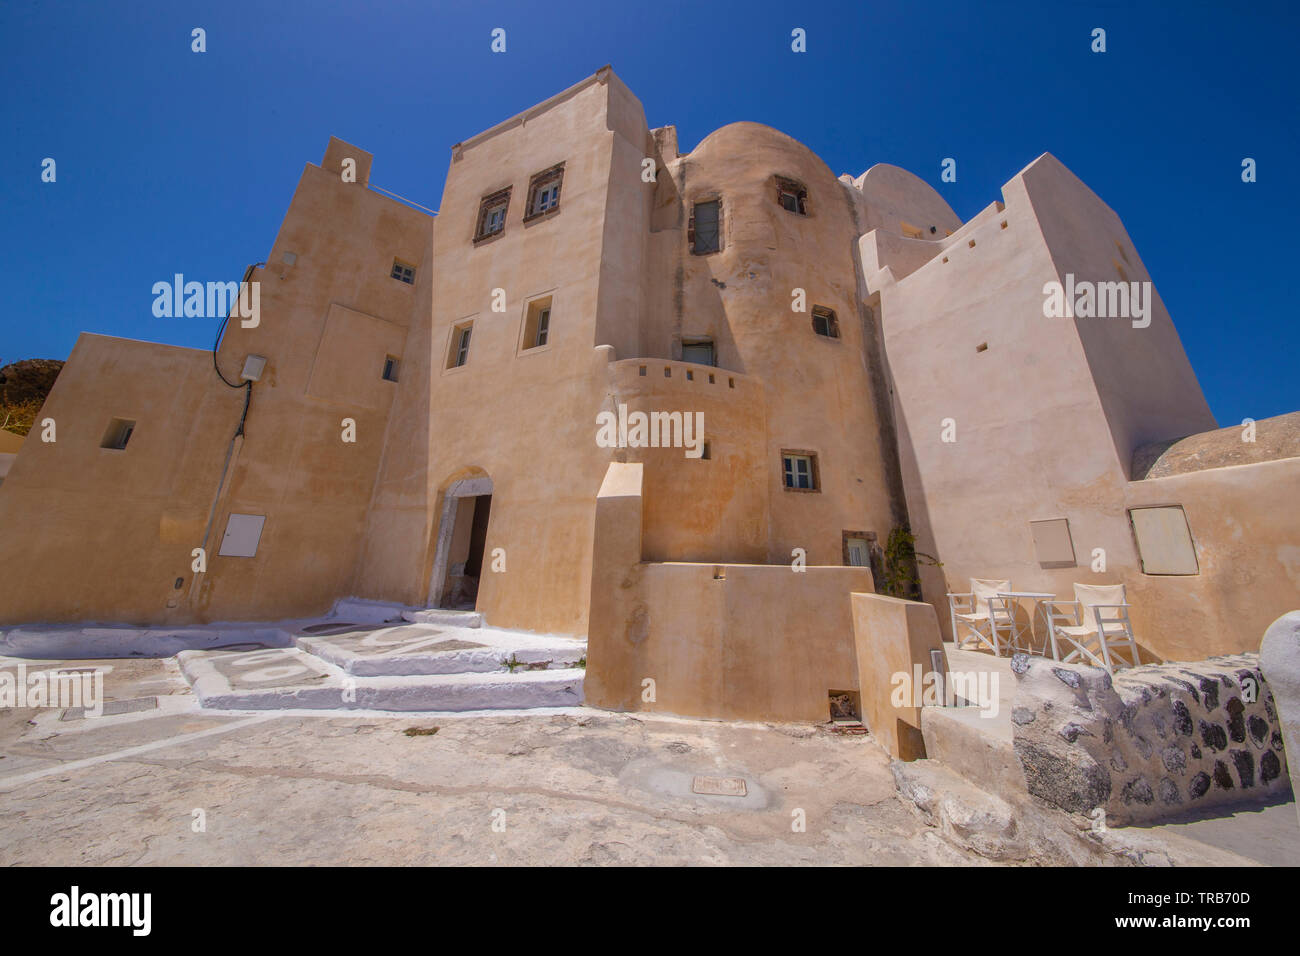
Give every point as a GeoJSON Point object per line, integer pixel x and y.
{"type": "Point", "coordinates": [512, 662]}
{"type": "Point", "coordinates": [582, 662]}
{"type": "Point", "coordinates": [902, 576]}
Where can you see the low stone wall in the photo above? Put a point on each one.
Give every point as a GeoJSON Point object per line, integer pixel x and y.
{"type": "Point", "coordinates": [727, 641]}
{"type": "Point", "coordinates": [892, 637]}
{"type": "Point", "coordinates": [1152, 742]}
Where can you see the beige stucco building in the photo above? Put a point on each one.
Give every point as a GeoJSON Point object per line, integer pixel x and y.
{"type": "Point", "coordinates": [425, 428]}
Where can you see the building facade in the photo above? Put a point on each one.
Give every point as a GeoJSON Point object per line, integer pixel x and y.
{"type": "Point", "coordinates": [426, 428]}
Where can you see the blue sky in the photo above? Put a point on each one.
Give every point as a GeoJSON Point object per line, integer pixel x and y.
{"type": "Point", "coordinates": [171, 161]}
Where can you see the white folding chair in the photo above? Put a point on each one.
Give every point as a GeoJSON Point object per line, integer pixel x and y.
{"type": "Point", "coordinates": [983, 617]}
{"type": "Point", "coordinates": [1096, 627]}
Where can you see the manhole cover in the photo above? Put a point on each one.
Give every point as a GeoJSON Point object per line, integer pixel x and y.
{"type": "Point", "coordinates": [720, 786]}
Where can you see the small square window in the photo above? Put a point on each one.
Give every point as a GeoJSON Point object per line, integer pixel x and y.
{"type": "Point", "coordinates": [403, 272]}
{"type": "Point", "coordinates": [699, 351]}
{"type": "Point", "coordinates": [390, 369]}
{"type": "Point", "coordinates": [799, 470]}
{"type": "Point", "coordinates": [118, 433]}
{"type": "Point", "coordinates": [544, 192]}
{"type": "Point", "coordinates": [705, 230]}
{"type": "Point", "coordinates": [845, 706]}
{"type": "Point", "coordinates": [459, 352]}
{"type": "Point", "coordinates": [537, 324]}
{"type": "Point", "coordinates": [492, 215]}
{"type": "Point", "coordinates": [824, 322]}
{"type": "Point", "coordinates": [792, 195]}
{"type": "Point", "coordinates": [860, 550]}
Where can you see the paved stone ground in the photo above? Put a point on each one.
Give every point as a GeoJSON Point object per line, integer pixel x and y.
{"type": "Point", "coordinates": [1268, 834]}
{"type": "Point", "coordinates": [574, 787]}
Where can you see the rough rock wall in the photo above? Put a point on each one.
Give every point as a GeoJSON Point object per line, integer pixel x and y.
{"type": "Point", "coordinates": [1152, 742]}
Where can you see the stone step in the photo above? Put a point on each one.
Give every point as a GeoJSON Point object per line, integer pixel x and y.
{"type": "Point", "coordinates": [363, 611]}
{"type": "Point", "coordinates": [410, 649]}
{"type": "Point", "coordinates": [291, 679]}
{"type": "Point", "coordinates": [108, 641]}
{"type": "Point", "coordinates": [976, 741]}
{"type": "Point", "coordinates": [438, 615]}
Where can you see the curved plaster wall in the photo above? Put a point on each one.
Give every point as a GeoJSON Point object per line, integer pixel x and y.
{"type": "Point", "coordinates": [816, 391]}
{"type": "Point", "coordinates": [699, 509]}
{"type": "Point", "coordinates": [893, 196]}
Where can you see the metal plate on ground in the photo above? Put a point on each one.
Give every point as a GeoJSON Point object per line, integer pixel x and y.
{"type": "Point", "coordinates": [720, 786]}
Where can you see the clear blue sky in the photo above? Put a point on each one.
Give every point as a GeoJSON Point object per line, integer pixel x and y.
{"type": "Point", "coordinates": [171, 161]}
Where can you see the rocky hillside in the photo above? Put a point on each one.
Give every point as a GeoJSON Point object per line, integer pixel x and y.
{"type": "Point", "coordinates": [23, 387]}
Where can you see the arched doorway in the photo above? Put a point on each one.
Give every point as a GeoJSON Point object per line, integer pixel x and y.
{"type": "Point", "coordinates": [462, 533]}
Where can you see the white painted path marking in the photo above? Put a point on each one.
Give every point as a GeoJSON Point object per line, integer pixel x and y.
{"type": "Point", "coordinates": [8, 783]}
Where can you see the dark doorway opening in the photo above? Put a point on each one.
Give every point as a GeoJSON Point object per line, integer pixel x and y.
{"type": "Point", "coordinates": [468, 542]}
{"type": "Point", "coordinates": [478, 535]}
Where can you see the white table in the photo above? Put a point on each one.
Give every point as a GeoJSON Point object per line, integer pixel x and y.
{"type": "Point", "coordinates": [1039, 598]}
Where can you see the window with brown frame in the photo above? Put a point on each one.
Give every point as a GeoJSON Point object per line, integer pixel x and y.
{"type": "Point", "coordinates": [403, 272]}
{"type": "Point", "coordinates": [492, 215]}
{"type": "Point", "coordinates": [792, 195]}
{"type": "Point", "coordinates": [537, 324]}
{"type": "Point", "coordinates": [824, 322]}
{"type": "Point", "coordinates": [458, 355]}
{"type": "Point", "coordinates": [704, 231]}
{"type": "Point", "coordinates": [544, 192]}
{"type": "Point", "coordinates": [799, 470]}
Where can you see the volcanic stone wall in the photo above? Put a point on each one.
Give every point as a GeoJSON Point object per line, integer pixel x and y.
{"type": "Point", "coordinates": [1150, 743]}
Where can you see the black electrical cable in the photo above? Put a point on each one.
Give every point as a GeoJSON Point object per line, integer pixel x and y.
{"type": "Point", "coordinates": [248, 397]}
{"type": "Point", "coordinates": [216, 343]}
{"type": "Point", "coordinates": [247, 386]}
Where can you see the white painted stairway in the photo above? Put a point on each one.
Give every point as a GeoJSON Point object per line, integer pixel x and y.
{"type": "Point", "coordinates": [398, 660]}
